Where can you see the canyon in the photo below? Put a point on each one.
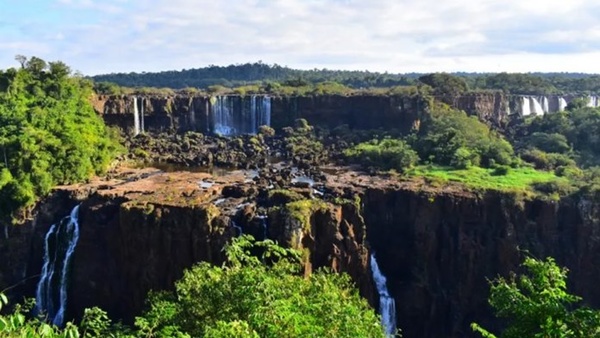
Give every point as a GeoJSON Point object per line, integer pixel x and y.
{"type": "Point", "coordinates": [437, 246]}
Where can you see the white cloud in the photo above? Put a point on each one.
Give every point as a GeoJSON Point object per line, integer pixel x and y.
{"type": "Point", "coordinates": [379, 35]}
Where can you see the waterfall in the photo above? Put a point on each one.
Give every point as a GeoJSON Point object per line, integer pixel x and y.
{"type": "Point", "coordinates": [545, 104]}
{"type": "Point", "coordinates": [141, 118]}
{"type": "Point", "coordinates": [536, 107]}
{"type": "Point", "coordinates": [525, 106]}
{"type": "Point", "coordinates": [192, 111]}
{"type": "Point", "coordinates": [592, 101]}
{"type": "Point", "coordinates": [387, 305]}
{"type": "Point", "coordinates": [562, 104]}
{"type": "Point", "coordinates": [237, 115]}
{"type": "Point", "coordinates": [136, 117]}
{"type": "Point", "coordinates": [51, 294]}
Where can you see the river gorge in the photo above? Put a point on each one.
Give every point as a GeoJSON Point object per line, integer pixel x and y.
{"type": "Point", "coordinates": [435, 246]}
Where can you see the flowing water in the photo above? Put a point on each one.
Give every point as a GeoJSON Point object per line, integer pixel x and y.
{"type": "Point", "coordinates": [51, 295]}
{"type": "Point", "coordinates": [237, 115]}
{"type": "Point", "coordinates": [387, 305]}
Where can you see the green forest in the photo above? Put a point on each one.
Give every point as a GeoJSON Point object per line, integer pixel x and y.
{"type": "Point", "coordinates": [271, 77]}
{"type": "Point", "coordinates": [49, 133]}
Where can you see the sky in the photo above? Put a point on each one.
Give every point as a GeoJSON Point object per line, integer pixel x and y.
{"type": "Point", "coordinates": [397, 36]}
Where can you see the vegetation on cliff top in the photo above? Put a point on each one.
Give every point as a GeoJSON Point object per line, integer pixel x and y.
{"type": "Point", "coordinates": [49, 132]}
{"type": "Point", "coordinates": [271, 77]}
{"type": "Point", "coordinates": [249, 296]}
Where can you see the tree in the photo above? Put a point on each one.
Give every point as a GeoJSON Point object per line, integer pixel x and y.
{"type": "Point", "coordinates": [260, 296]}
{"type": "Point", "coordinates": [537, 304]}
{"type": "Point", "coordinates": [445, 84]}
{"type": "Point", "coordinates": [49, 133]}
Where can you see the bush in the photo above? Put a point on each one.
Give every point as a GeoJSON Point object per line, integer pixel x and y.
{"type": "Point", "coordinates": [447, 130]}
{"type": "Point", "coordinates": [501, 170]}
{"type": "Point", "coordinates": [385, 154]}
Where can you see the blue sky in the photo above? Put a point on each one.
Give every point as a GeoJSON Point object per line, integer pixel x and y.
{"type": "Point", "coordinates": [379, 35]}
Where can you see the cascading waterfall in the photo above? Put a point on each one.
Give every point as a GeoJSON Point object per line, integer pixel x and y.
{"type": "Point", "coordinates": [237, 115]}
{"type": "Point", "coordinates": [51, 295]}
{"type": "Point", "coordinates": [545, 104]}
{"type": "Point", "coordinates": [536, 107]}
{"type": "Point", "coordinates": [562, 104]}
{"type": "Point", "coordinates": [525, 106]}
{"type": "Point", "coordinates": [387, 305]}
{"type": "Point", "coordinates": [592, 101]}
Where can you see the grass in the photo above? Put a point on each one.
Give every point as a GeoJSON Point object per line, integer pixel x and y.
{"type": "Point", "coordinates": [517, 179]}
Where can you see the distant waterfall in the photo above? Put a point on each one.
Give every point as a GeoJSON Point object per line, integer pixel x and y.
{"type": "Point", "coordinates": [562, 104]}
{"type": "Point", "coordinates": [192, 112]}
{"type": "Point", "coordinates": [592, 101]}
{"type": "Point", "coordinates": [138, 116]}
{"type": "Point", "coordinates": [387, 305]}
{"type": "Point", "coordinates": [525, 106]}
{"type": "Point", "coordinates": [545, 104]}
{"type": "Point", "coordinates": [238, 115]}
{"type": "Point", "coordinates": [51, 295]}
{"type": "Point", "coordinates": [536, 107]}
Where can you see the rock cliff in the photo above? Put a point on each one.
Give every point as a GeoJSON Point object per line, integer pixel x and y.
{"type": "Point", "coordinates": [436, 246]}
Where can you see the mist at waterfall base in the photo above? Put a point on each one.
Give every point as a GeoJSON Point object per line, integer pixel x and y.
{"type": "Point", "coordinates": [387, 305]}
{"type": "Point", "coordinates": [51, 295]}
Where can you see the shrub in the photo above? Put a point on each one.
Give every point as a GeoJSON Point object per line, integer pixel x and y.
{"type": "Point", "coordinates": [385, 154]}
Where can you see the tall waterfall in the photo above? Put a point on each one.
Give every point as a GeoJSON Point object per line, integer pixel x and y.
{"type": "Point", "coordinates": [136, 117]}
{"type": "Point", "coordinates": [525, 106]}
{"type": "Point", "coordinates": [237, 115]}
{"type": "Point", "coordinates": [536, 107]}
{"type": "Point", "coordinates": [545, 104]}
{"type": "Point", "coordinates": [387, 305]}
{"type": "Point", "coordinates": [51, 295]}
{"type": "Point", "coordinates": [192, 112]}
{"type": "Point", "coordinates": [593, 101]}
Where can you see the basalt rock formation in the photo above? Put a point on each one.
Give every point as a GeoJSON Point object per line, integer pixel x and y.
{"type": "Point", "coordinates": [235, 114]}
{"type": "Point", "coordinates": [140, 230]}
{"type": "Point", "coordinates": [208, 114]}
{"type": "Point", "coordinates": [436, 246]}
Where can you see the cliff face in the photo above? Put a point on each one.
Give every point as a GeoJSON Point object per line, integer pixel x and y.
{"type": "Point", "coordinates": [181, 113]}
{"type": "Point", "coordinates": [493, 108]}
{"type": "Point", "coordinates": [437, 249]}
{"type": "Point", "coordinates": [139, 233]}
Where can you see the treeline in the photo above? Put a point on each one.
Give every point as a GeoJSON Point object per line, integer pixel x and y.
{"type": "Point", "coordinates": [263, 74]}
{"type": "Point", "coordinates": [253, 73]}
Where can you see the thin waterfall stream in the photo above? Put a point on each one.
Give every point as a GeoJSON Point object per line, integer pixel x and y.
{"type": "Point", "coordinates": [387, 305]}
{"type": "Point", "coordinates": [60, 242]}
